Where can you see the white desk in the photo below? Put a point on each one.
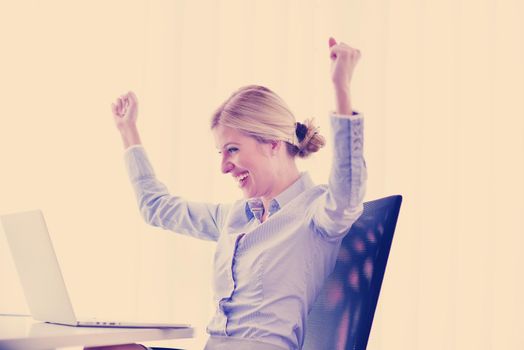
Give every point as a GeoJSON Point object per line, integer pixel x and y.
{"type": "Point", "coordinates": [23, 333]}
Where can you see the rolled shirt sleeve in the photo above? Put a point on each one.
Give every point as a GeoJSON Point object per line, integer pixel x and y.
{"type": "Point", "coordinates": [159, 208]}
{"type": "Point", "coordinates": [342, 204]}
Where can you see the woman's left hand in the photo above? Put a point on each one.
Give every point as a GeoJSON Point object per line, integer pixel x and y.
{"type": "Point", "coordinates": [343, 61]}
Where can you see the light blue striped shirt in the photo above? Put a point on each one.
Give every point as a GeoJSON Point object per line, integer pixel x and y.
{"type": "Point", "coordinates": [267, 275]}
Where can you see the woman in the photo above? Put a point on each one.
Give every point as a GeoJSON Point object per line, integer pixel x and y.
{"type": "Point", "coordinates": [275, 247]}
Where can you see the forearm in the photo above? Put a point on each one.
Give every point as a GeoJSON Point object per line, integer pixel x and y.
{"type": "Point", "coordinates": [130, 136]}
{"type": "Point", "coordinates": [347, 180]}
{"type": "Point", "coordinates": [348, 171]}
{"type": "Point", "coordinates": [343, 101]}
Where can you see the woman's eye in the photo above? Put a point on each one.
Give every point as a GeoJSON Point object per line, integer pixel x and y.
{"type": "Point", "coordinates": [229, 150]}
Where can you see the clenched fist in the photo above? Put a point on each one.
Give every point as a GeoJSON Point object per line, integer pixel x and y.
{"type": "Point", "coordinates": [125, 110]}
{"type": "Point", "coordinates": [344, 58]}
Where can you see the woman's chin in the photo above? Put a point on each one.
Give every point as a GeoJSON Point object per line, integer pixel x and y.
{"type": "Point", "coordinates": [247, 194]}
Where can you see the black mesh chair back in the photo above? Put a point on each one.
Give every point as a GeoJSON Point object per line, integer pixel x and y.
{"type": "Point", "coordinates": [342, 315]}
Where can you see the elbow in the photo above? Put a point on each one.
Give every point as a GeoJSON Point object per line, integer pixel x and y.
{"type": "Point", "coordinates": [343, 220]}
{"type": "Point", "coordinates": [149, 208]}
{"type": "Point", "coordinates": [337, 223]}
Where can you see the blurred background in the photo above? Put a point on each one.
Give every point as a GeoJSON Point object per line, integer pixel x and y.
{"type": "Point", "coordinates": [441, 88]}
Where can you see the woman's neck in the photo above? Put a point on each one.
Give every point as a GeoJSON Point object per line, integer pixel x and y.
{"type": "Point", "coordinates": [286, 178]}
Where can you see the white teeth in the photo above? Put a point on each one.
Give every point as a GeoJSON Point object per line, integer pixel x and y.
{"type": "Point", "coordinates": [242, 176]}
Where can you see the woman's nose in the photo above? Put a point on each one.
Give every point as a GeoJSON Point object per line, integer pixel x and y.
{"type": "Point", "coordinates": [227, 166]}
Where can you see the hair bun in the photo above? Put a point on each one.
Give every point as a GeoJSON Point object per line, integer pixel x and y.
{"type": "Point", "coordinates": [301, 131]}
{"type": "Point", "coordinates": [309, 140]}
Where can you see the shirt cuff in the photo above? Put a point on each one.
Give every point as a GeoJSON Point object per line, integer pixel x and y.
{"type": "Point", "coordinates": [354, 116]}
{"type": "Point", "coordinates": [132, 146]}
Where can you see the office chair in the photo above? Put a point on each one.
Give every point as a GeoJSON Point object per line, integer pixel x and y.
{"type": "Point", "coordinates": [341, 316]}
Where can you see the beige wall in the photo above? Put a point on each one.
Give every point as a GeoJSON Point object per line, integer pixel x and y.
{"type": "Point", "coordinates": [441, 85]}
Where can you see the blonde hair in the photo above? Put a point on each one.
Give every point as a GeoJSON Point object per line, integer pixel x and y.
{"type": "Point", "coordinates": [260, 113]}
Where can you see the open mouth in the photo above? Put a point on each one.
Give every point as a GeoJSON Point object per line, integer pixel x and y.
{"type": "Point", "coordinates": [242, 179]}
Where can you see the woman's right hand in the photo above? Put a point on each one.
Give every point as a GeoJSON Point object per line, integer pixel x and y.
{"type": "Point", "coordinates": [125, 111]}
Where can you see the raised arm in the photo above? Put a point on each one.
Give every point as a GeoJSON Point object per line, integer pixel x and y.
{"type": "Point", "coordinates": [342, 203]}
{"type": "Point", "coordinates": [157, 206]}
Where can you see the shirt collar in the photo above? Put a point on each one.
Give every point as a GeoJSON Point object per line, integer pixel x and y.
{"type": "Point", "coordinates": [255, 208]}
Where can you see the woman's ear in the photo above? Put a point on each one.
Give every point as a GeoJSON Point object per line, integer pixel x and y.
{"type": "Point", "coordinates": [271, 148]}
{"type": "Point", "coordinates": [275, 146]}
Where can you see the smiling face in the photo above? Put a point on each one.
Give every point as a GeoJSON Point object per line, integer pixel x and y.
{"type": "Point", "coordinates": [251, 163]}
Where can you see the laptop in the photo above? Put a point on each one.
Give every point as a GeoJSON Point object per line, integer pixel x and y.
{"type": "Point", "coordinates": [41, 277]}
